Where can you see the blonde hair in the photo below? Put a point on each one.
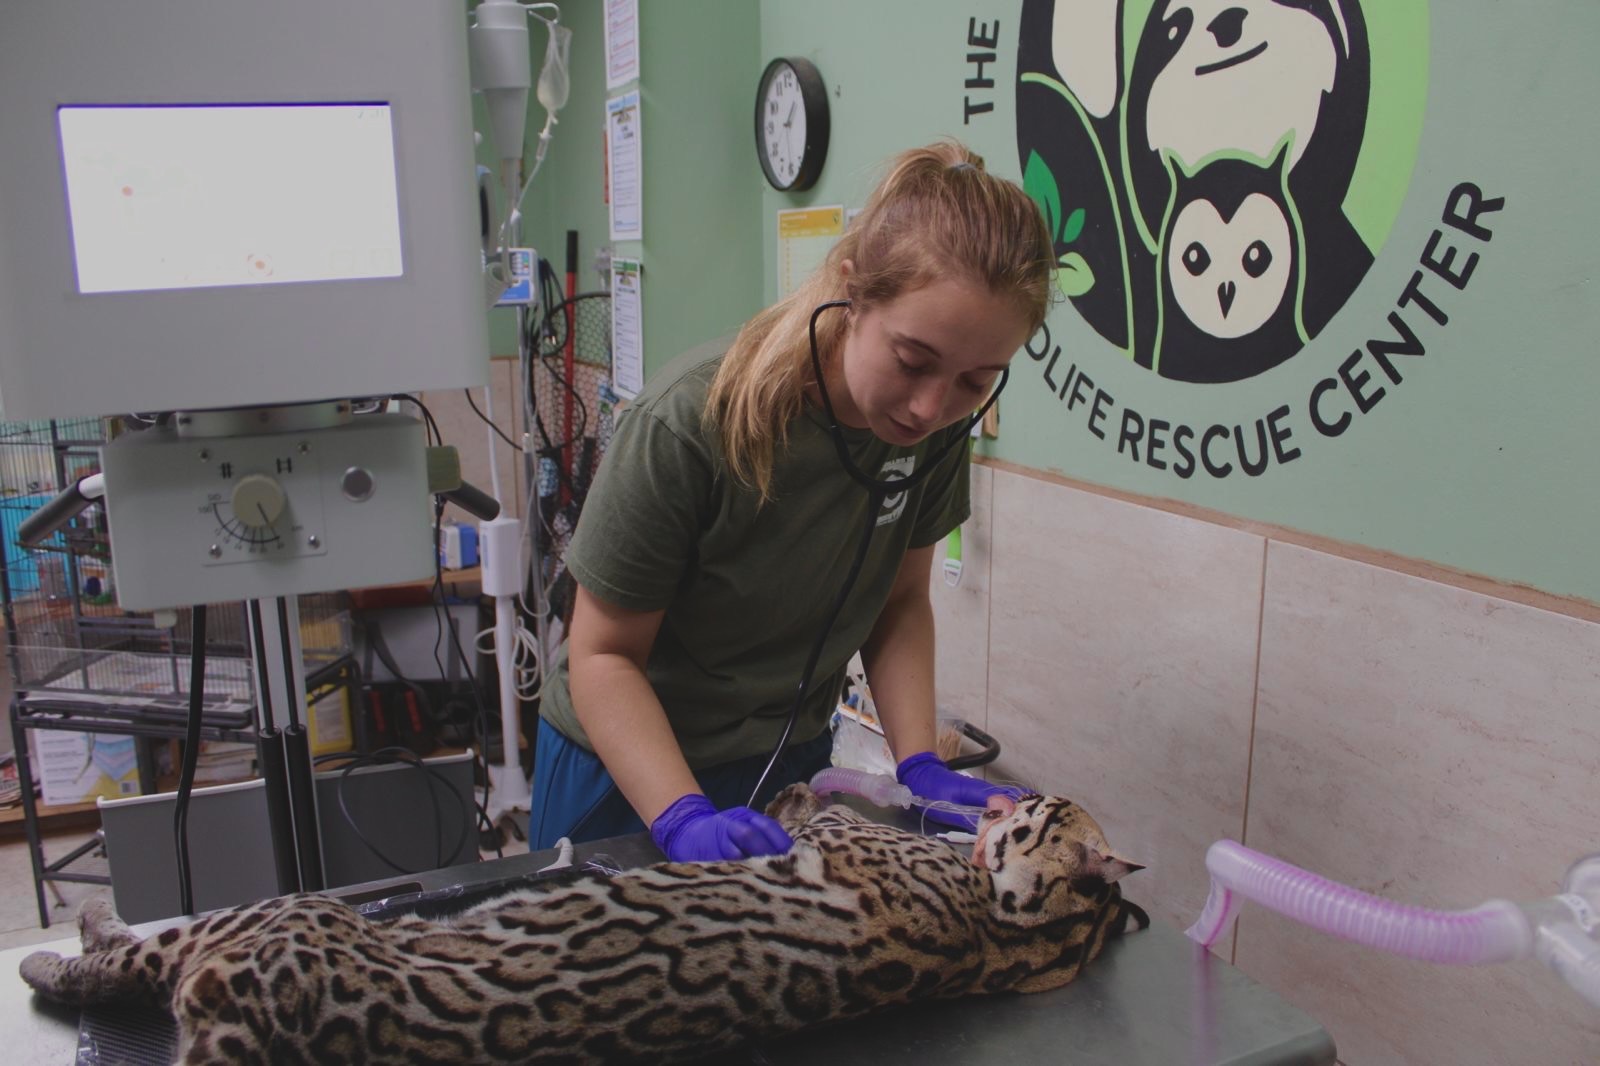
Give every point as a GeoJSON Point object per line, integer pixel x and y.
{"type": "Point", "coordinates": [936, 214]}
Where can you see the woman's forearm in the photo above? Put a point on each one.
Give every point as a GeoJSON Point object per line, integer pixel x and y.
{"type": "Point", "coordinates": [899, 661]}
{"type": "Point", "coordinates": [625, 722]}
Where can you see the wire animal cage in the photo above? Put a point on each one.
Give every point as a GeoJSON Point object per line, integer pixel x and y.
{"type": "Point", "coordinates": [82, 665]}
{"type": "Point", "coordinates": [573, 410]}
{"type": "Point", "coordinates": [126, 667]}
{"type": "Point", "coordinates": [38, 459]}
{"type": "Point", "coordinates": [72, 651]}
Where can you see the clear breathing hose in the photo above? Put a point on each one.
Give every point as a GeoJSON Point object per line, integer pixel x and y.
{"type": "Point", "coordinates": [879, 789]}
{"type": "Point", "coordinates": [1562, 931]}
{"type": "Point", "coordinates": [884, 791]}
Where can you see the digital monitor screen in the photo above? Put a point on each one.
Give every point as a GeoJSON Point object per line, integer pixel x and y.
{"type": "Point", "coordinates": [197, 197]}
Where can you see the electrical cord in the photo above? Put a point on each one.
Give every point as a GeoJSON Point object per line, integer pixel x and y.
{"type": "Point", "coordinates": [437, 605]}
{"type": "Point", "coordinates": [570, 470]}
{"type": "Point", "coordinates": [527, 662]}
{"type": "Point", "coordinates": [436, 602]}
{"type": "Point", "coordinates": [551, 448]}
{"type": "Point", "coordinates": [434, 436]}
{"type": "Point", "coordinates": [549, 342]}
{"type": "Point", "coordinates": [435, 782]}
{"type": "Point", "coordinates": [540, 331]}
{"type": "Point", "coordinates": [550, 294]}
{"type": "Point", "coordinates": [535, 532]}
{"type": "Point", "coordinates": [380, 648]}
{"type": "Point", "coordinates": [477, 697]}
{"type": "Point", "coordinates": [486, 421]}
{"type": "Point", "coordinates": [436, 594]}
{"type": "Point", "coordinates": [191, 753]}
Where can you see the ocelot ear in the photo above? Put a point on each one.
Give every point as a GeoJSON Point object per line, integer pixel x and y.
{"type": "Point", "coordinates": [1109, 868]}
{"type": "Point", "coordinates": [1000, 801]}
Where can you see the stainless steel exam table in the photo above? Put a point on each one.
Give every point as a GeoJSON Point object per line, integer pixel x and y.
{"type": "Point", "coordinates": [1154, 998]}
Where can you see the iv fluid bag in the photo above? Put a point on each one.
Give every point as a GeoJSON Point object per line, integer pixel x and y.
{"type": "Point", "coordinates": [553, 81]}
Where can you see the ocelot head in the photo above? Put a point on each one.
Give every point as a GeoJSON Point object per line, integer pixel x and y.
{"type": "Point", "coordinates": [1047, 859]}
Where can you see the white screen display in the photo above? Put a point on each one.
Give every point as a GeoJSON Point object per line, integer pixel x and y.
{"type": "Point", "coordinates": [205, 196]}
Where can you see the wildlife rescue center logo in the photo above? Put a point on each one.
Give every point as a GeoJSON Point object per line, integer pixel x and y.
{"type": "Point", "coordinates": [1218, 177]}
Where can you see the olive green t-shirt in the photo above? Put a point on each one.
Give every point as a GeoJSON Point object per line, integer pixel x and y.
{"type": "Point", "coordinates": [746, 589]}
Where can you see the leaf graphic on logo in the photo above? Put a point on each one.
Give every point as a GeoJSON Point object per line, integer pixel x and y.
{"type": "Point", "coordinates": [1073, 276]}
{"type": "Point", "coordinates": [1073, 228]}
{"type": "Point", "coordinates": [1039, 183]}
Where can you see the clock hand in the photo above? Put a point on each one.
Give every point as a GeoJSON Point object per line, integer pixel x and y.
{"type": "Point", "coordinates": [790, 118]}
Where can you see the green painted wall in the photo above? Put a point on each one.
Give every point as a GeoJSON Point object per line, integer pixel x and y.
{"type": "Point", "coordinates": [567, 192]}
{"type": "Point", "coordinates": [698, 63]}
{"type": "Point", "coordinates": [1479, 458]}
{"type": "Point", "coordinates": [699, 60]}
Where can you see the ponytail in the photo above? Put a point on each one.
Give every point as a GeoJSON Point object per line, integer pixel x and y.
{"type": "Point", "coordinates": [937, 213]}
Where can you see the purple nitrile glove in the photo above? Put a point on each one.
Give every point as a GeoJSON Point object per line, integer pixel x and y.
{"type": "Point", "coordinates": [693, 830]}
{"type": "Point", "coordinates": [926, 775]}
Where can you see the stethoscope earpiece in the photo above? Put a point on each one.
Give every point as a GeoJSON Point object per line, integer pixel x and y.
{"type": "Point", "coordinates": [884, 486]}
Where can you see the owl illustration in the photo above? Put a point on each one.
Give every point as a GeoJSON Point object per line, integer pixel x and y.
{"type": "Point", "coordinates": [1230, 273]}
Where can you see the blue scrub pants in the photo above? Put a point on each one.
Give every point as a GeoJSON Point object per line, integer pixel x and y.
{"type": "Point", "coordinates": [574, 795]}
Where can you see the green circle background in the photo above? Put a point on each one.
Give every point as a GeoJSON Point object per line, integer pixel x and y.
{"type": "Point", "coordinates": [1397, 40]}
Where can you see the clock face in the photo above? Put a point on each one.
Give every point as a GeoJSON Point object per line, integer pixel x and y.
{"type": "Point", "coordinates": [783, 125]}
{"type": "Point", "coordinates": [792, 124]}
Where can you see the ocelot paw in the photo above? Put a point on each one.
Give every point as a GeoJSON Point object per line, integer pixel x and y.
{"type": "Point", "coordinates": [794, 806]}
{"type": "Point", "coordinates": [100, 929]}
{"type": "Point", "coordinates": [39, 970]}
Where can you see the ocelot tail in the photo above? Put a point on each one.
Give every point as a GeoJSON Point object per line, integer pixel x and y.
{"type": "Point", "coordinates": [660, 964]}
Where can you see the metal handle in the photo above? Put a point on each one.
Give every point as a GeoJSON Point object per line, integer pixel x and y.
{"type": "Point", "coordinates": [990, 752]}
{"type": "Point", "coordinates": [474, 501]}
{"type": "Point", "coordinates": [63, 508]}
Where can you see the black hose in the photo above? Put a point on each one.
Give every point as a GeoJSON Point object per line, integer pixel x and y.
{"type": "Point", "coordinates": [274, 767]}
{"type": "Point", "coordinates": [474, 501]}
{"type": "Point", "coordinates": [191, 753]}
{"type": "Point", "coordinates": [297, 750]}
{"type": "Point", "coordinates": [307, 835]}
{"type": "Point", "coordinates": [62, 508]}
{"type": "Point", "coordinates": [874, 505]}
{"type": "Point", "coordinates": [434, 780]}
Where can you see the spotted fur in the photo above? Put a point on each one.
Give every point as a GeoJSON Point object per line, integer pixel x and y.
{"type": "Point", "coordinates": [659, 964]}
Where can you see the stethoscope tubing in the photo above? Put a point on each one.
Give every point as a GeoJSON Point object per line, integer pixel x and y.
{"type": "Point", "coordinates": [877, 490]}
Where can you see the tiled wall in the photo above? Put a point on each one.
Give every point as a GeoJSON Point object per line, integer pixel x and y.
{"type": "Point", "coordinates": [1187, 681]}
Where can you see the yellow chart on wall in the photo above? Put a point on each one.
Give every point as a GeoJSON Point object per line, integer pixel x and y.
{"type": "Point", "coordinates": [804, 237]}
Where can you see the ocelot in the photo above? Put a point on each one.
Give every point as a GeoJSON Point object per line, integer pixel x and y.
{"type": "Point", "coordinates": [660, 964]}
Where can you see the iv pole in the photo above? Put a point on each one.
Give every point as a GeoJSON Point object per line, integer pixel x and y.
{"type": "Point", "coordinates": [502, 72]}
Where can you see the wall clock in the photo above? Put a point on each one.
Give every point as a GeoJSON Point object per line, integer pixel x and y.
{"type": "Point", "coordinates": [791, 124]}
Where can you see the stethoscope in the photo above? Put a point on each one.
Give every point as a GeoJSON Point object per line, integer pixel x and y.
{"type": "Point", "coordinates": [878, 490]}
